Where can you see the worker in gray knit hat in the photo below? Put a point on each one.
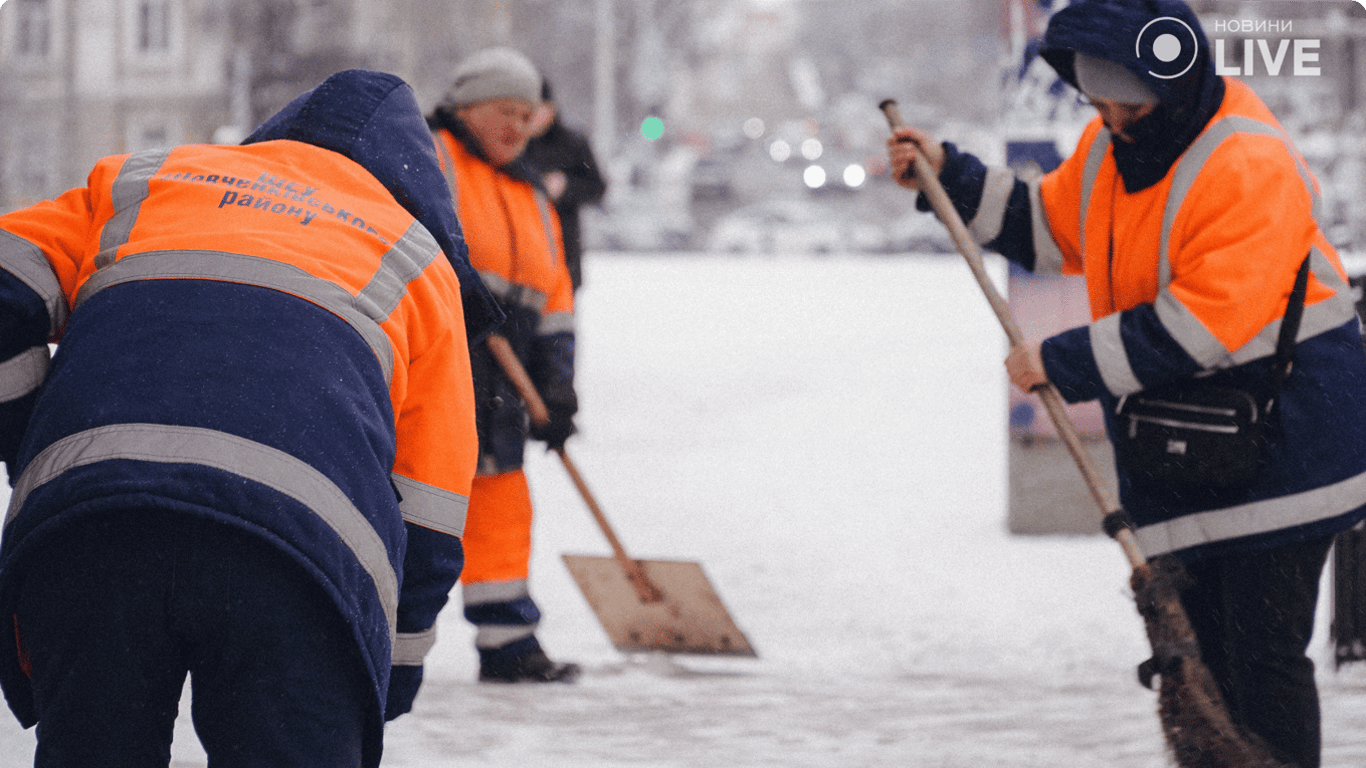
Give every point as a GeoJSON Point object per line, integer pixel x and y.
{"type": "Point", "coordinates": [494, 73]}
{"type": "Point", "coordinates": [481, 127]}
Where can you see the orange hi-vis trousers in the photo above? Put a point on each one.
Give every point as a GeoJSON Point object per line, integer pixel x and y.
{"type": "Point", "coordinates": [498, 529]}
{"type": "Point", "coordinates": [497, 560]}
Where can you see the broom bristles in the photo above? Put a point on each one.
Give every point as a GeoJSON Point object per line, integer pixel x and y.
{"type": "Point", "coordinates": [1197, 727]}
{"type": "Point", "coordinates": [1195, 722]}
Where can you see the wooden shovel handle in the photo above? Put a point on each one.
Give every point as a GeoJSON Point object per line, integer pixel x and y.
{"type": "Point", "coordinates": [535, 406]}
{"type": "Point", "coordinates": [507, 360]}
{"type": "Point", "coordinates": [967, 246]}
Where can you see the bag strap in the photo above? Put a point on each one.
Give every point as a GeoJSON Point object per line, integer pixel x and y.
{"type": "Point", "coordinates": [1290, 328]}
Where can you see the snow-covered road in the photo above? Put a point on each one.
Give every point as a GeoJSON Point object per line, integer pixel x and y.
{"type": "Point", "coordinates": [828, 438]}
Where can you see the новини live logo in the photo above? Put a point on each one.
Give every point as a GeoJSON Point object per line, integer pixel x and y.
{"type": "Point", "coordinates": [1169, 46]}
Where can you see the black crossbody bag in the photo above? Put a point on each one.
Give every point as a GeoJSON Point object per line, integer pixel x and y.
{"type": "Point", "coordinates": [1203, 435]}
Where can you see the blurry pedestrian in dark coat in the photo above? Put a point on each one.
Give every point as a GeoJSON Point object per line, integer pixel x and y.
{"type": "Point", "coordinates": [563, 160]}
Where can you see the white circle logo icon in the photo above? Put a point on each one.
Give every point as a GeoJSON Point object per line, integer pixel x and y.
{"type": "Point", "coordinates": [1168, 46]}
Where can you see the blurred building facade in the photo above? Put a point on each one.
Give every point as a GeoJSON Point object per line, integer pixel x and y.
{"type": "Point", "coordinates": [81, 79]}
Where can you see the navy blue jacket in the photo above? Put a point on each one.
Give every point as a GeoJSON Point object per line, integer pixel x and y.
{"type": "Point", "coordinates": [268, 336]}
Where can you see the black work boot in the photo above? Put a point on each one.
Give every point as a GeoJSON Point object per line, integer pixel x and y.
{"type": "Point", "coordinates": [523, 661]}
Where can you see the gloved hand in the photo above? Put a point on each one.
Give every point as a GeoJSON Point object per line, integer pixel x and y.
{"type": "Point", "coordinates": [404, 680]}
{"type": "Point", "coordinates": [561, 403]}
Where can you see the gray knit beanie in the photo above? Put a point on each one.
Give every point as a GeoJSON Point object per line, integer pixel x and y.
{"type": "Point", "coordinates": [494, 73]}
{"type": "Point", "coordinates": [1101, 79]}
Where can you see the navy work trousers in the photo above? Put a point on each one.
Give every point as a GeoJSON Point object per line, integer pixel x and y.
{"type": "Point", "coordinates": [1253, 615]}
{"type": "Point", "coordinates": [118, 609]}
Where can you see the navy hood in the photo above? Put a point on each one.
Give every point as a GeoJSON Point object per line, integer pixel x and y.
{"type": "Point", "coordinates": [373, 119]}
{"type": "Point", "coordinates": [1162, 43]}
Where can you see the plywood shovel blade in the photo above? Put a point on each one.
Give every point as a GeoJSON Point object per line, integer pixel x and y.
{"type": "Point", "coordinates": [688, 617]}
{"type": "Point", "coordinates": [644, 605]}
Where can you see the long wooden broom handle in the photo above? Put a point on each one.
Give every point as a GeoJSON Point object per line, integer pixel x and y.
{"type": "Point", "coordinates": [535, 406]}
{"type": "Point", "coordinates": [967, 246]}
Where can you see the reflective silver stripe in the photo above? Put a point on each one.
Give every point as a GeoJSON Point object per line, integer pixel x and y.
{"type": "Point", "coordinates": [556, 322]}
{"type": "Point", "coordinates": [991, 210]}
{"type": "Point", "coordinates": [245, 458]}
{"type": "Point", "coordinates": [1258, 517]}
{"type": "Point", "coordinates": [482, 592]}
{"type": "Point", "coordinates": [129, 189]}
{"type": "Point", "coordinates": [449, 169]}
{"type": "Point", "coordinates": [515, 294]}
{"type": "Point", "coordinates": [1190, 165]}
{"type": "Point", "coordinates": [25, 260]}
{"type": "Point", "coordinates": [403, 263]}
{"type": "Point", "coordinates": [1184, 326]}
{"type": "Point", "coordinates": [1319, 317]}
{"type": "Point", "coordinates": [1107, 347]}
{"type": "Point", "coordinates": [22, 373]}
{"type": "Point", "coordinates": [410, 648]}
{"type": "Point", "coordinates": [249, 270]}
{"type": "Point", "coordinates": [1048, 256]}
{"type": "Point", "coordinates": [499, 635]}
{"type": "Point", "coordinates": [1095, 156]}
{"type": "Point", "coordinates": [364, 312]}
{"type": "Point", "coordinates": [1331, 312]}
{"type": "Point", "coordinates": [431, 507]}
{"type": "Point", "coordinates": [1243, 124]}
{"type": "Point", "coordinates": [1202, 345]}
{"type": "Point", "coordinates": [552, 242]}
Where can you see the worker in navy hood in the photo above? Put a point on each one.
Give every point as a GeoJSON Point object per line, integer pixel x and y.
{"type": "Point", "coordinates": [248, 463]}
{"type": "Point", "coordinates": [1192, 217]}
{"type": "Point", "coordinates": [1172, 64]}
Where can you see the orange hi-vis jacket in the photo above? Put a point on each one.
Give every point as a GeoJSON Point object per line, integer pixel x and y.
{"type": "Point", "coordinates": [261, 335]}
{"type": "Point", "coordinates": [1214, 246]}
{"type": "Point", "coordinates": [513, 235]}
{"type": "Point", "coordinates": [1191, 275]}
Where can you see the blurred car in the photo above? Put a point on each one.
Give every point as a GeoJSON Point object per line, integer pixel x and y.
{"type": "Point", "coordinates": [868, 237]}
{"type": "Point", "coordinates": [712, 175]}
{"type": "Point", "coordinates": [918, 232]}
{"type": "Point", "coordinates": [781, 227]}
{"type": "Point", "coordinates": [637, 223]}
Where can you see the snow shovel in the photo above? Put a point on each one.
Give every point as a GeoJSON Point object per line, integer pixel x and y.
{"type": "Point", "coordinates": [643, 605]}
{"type": "Point", "coordinates": [1195, 721]}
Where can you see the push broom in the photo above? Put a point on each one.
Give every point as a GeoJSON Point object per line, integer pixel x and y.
{"type": "Point", "coordinates": [1195, 721]}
